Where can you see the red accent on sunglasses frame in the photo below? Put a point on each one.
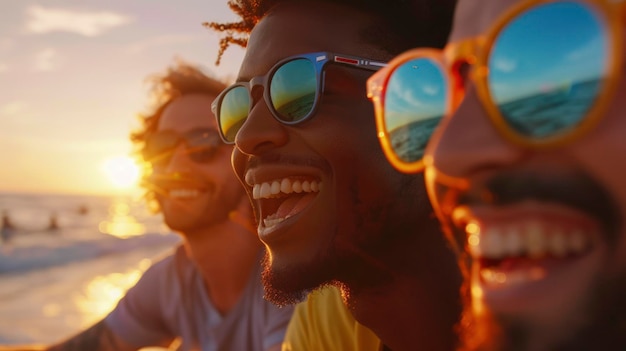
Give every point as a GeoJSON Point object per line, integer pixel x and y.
{"type": "Point", "coordinates": [346, 60]}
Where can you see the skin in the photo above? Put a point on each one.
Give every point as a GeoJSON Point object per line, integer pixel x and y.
{"type": "Point", "coordinates": [581, 181]}
{"type": "Point", "coordinates": [358, 232]}
{"type": "Point", "coordinates": [215, 226]}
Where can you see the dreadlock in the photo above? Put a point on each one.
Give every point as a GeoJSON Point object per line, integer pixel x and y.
{"type": "Point", "coordinates": [404, 23]}
{"type": "Point", "coordinates": [250, 12]}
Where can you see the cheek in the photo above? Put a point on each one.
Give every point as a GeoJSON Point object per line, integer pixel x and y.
{"type": "Point", "coordinates": [602, 154]}
{"type": "Point", "coordinates": [343, 132]}
{"type": "Point", "coordinates": [238, 162]}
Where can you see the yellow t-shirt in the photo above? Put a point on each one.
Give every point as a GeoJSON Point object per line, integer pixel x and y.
{"type": "Point", "coordinates": [324, 323]}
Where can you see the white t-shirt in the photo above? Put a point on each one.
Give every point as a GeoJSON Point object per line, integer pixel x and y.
{"type": "Point", "coordinates": [170, 301]}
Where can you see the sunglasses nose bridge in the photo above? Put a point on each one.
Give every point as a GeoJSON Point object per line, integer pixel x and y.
{"type": "Point", "coordinates": [256, 88]}
{"type": "Point", "coordinates": [179, 157]}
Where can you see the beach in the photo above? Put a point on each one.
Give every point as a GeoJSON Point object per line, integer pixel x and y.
{"type": "Point", "coordinates": [57, 281]}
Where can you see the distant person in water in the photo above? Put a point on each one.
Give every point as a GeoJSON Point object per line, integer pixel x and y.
{"type": "Point", "coordinates": [8, 229]}
{"type": "Point", "coordinates": [207, 295]}
{"type": "Point", "coordinates": [53, 225]}
{"type": "Point", "coordinates": [82, 209]}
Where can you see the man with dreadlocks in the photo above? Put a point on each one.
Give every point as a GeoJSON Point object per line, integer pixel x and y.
{"type": "Point", "coordinates": [207, 295]}
{"type": "Point", "coordinates": [330, 209]}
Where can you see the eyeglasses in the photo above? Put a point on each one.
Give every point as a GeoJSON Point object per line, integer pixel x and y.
{"type": "Point", "coordinates": [291, 90]}
{"type": "Point", "coordinates": [201, 144]}
{"type": "Point", "coordinates": [545, 73]}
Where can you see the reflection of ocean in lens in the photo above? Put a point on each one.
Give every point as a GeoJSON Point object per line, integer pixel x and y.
{"type": "Point", "coordinates": [295, 110]}
{"type": "Point", "coordinates": [544, 114]}
{"type": "Point", "coordinates": [231, 132]}
{"type": "Point", "coordinates": [409, 141]}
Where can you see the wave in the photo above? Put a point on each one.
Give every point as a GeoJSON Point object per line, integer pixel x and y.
{"type": "Point", "coordinates": [53, 252]}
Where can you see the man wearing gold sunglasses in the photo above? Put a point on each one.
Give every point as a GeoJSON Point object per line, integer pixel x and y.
{"type": "Point", "coordinates": [526, 172]}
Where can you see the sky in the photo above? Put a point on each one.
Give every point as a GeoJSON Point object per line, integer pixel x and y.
{"type": "Point", "coordinates": [73, 79]}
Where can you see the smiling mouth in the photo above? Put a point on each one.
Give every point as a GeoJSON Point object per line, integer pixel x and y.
{"type": "Point", "coordinates": [184, 194]}
{"type": "Point", "coordinates": [283, 198]}
{"type": "Point", "coordinates": [524, 248]}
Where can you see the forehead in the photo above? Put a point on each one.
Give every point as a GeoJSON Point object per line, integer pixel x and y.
{"type": "Point", "coordinates": [474, 17]}
{"type": "Point", "coordinates": [305, 27]}
{"type": "Point", "coordinates": [188, 112]}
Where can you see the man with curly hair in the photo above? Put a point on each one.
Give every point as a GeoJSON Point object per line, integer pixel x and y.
{"type": "Point", "coordinates": [207, 295]}
{"type": "Point", "coordinates": [329, 207]}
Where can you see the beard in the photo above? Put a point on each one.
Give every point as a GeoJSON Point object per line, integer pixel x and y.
{"type": "Point", "coordinates": [346, 268]}
{"type": "Point", "coordinates": [188, 217]}
{"type": "Point", "coordinates": [603, 326]}
{"type": "Point", "coordinates": [595, 322]}
{"type": "Point", "coordinates": [358, 257]}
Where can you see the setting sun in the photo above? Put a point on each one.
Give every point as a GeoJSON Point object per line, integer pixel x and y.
{"type": "Point", "coordinates": [122, 171]}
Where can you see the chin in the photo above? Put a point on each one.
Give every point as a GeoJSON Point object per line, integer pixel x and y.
{"type": "Point", "coordinates": [286, 284]}
{"type": "Point", "coordinates": [597, 323]}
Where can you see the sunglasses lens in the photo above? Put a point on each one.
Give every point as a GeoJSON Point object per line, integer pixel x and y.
{"type": "Point", "coordinates": [233, 111]}
{"type": "Point", "coordinates": [202, 144]}
{"type": "Point", "coordinates": [415, 101]}
{"type": "Point", "coordinates": [159, 146]}
{"type": "Point", "coordinates": [293, 90]}
{"type": "Point", "coordinates": [546, 68]}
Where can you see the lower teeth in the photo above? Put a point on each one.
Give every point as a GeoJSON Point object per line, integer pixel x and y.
{"type": "Point", "coordinates": [270, 222]}
{"type": "Point", "coordinates": [495, 277]}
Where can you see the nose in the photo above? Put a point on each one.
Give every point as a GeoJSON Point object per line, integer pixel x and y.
{"type": "Point", "coordinates": [468, 142]}
{"type": "Point", "coordinates": [179, 161]}
{"type": "Point", "coordinates": [261, 131]}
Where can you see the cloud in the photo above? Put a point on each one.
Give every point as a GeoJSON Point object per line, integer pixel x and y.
{"type": "Point", "coordinates": [505, 65]}
{"type": "Point", "coordinates": [47, 60]}
{"type": "Point", "coordinates": [12, 108]}
{"type": "Point", "coordinates": [6, 44]}
{"type": "Point", "coordinates": [45, 20]}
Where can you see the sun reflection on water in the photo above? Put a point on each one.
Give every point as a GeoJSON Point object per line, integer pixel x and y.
{"type": "Point", "coordinates": [102, 293]}
{"type": "Point", "coordinates": [120, 222]}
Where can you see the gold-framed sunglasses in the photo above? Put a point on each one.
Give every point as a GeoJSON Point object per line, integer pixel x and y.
{"type": "Point", "coordinates": [545, 73]}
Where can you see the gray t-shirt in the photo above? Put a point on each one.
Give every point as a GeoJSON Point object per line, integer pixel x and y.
{"type": "Point", "coordinates": [170, 301]}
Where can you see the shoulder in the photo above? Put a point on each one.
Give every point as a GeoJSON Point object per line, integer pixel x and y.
{"type": "Point", "coordinates": [323, 321]}
{"type": "Point", "coordinates": [164, 273]}
{"type": "Point", "coordinates": [327, 300]}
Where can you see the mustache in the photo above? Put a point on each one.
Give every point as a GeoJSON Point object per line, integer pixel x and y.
{"type": "Point", "coordinates": [277, 158]}
{"type": "Point", "coordinates": [573, 189]}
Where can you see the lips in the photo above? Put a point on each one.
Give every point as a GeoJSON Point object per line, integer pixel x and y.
{"type": "Point", "coordinates": [177, 186]}
{"type": "Point", "coordinates": [184, 193]}
{"type": "Point", "coordinates": [283, 198]}
{"type": "Point", "coordinates": [521, 243]}
{"type": "Point", "coordinates": [532, 235]}
{"type": "Point", "coordinates": [537, 238]}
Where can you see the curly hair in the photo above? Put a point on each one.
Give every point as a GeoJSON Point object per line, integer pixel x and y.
{"type": "Point", "coordinates": [178, 80]}
{"type": "Point", "coordinates": [404, 24]}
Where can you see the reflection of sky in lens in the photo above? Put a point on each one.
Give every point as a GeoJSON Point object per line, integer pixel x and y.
{"type": "Point", "coordinates": [549, 47]}
{"type": "Point", "coordinates": [415, 92]}
{"type": "Point", "coordinates": [292, 81]}
{"type": "Point", "coordinates": [235, 107]}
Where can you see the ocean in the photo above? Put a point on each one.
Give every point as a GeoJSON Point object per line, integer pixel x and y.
{"type": "Point", "coordinates": [58, 280]}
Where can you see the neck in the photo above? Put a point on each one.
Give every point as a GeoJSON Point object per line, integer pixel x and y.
{"type": "Point", "coordinates": [418, 305]}
{"type": "Point", "coordinates": [226, 254]}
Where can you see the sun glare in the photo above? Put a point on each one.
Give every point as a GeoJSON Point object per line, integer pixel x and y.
{"type": "Point", "coordinates": [122, 171]}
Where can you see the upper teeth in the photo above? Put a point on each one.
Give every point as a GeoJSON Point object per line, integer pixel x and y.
{"type": "Point", "coordinates": [534, 239]}
{"type": "Point", "coordinates": [267, 190]}
{"type": "Point", "coordinates": [184, 193]}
